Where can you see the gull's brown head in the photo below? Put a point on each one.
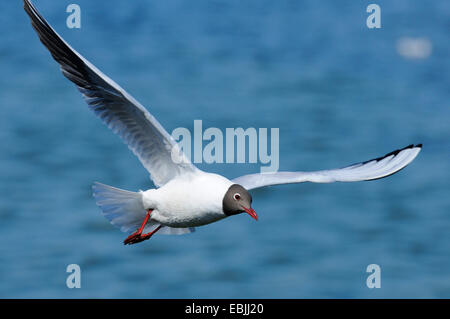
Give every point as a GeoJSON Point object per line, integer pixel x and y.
{"type": "Point", "coordinates": [238, 200]}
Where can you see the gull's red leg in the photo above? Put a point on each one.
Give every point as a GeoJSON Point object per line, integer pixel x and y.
{"type": "Point", "coordinates": [134, 237]}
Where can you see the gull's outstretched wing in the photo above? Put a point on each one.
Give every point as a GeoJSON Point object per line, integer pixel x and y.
{"type": "Point", "coordinates": [115, 107]}
{"type": "Point", "coordinates": [369, 170]}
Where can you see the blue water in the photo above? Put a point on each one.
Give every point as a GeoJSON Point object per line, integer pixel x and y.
{"type": "Point", "coordinates": [339, 93]}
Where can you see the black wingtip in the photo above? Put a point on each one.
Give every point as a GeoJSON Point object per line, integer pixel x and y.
{"type": "Point", "coordinates": [395, 153]}
{"type": "Point", "coordinates": [26, 3]}
{"type": "Point", "coordinates": [412, 146]}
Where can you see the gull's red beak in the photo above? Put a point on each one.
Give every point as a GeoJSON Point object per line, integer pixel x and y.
{"type": "Point", "coordinates": [251, 212]}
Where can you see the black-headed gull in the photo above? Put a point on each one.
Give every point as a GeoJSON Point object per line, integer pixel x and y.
{"type": "Point", "coordinates": [185, 197]}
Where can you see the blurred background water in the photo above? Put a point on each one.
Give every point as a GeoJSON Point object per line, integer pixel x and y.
{"type": "Point", "coordinates": [338, 91]}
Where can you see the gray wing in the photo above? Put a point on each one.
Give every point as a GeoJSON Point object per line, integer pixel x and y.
{"type": "Point", "coordinates": [369, 170]}
{"type": "Point", "coordinates": [148, 140]}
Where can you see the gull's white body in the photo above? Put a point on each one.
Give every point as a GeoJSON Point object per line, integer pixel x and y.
{"type": "Point", "coordinates": [190, 200]}
{"type": "Point", "coordinates": [186, 197]}
{"type": "Point", "coordinates": [187, 201]}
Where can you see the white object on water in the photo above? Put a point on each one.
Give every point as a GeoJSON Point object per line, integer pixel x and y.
{"type": "Point", "coordinates": [414, 48]}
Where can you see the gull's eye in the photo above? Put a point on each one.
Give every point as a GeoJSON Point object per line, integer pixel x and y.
{"type": "Point", "coordinates": [237, 196]}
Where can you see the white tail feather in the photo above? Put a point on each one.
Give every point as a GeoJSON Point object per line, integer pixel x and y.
{"type": "Point", "coordinates": [125, 210]}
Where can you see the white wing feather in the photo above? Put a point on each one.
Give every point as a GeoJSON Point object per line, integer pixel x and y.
{"type": "Point", "coordinates": [116, 108]}
{"type": "Point", "coordinates": [369, 170]}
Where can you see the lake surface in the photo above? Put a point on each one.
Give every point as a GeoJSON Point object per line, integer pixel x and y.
{"type": "Point", "coordinates": [338, 92]}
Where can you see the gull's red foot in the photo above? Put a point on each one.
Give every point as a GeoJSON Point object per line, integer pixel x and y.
{"type": "Point", "coordinates": [137, 237]}
{"type": "Point", "coordinates": [133, 238]}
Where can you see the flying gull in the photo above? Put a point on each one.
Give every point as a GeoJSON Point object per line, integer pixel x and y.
{"type": "Point", "coordinates": [185, 197]}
